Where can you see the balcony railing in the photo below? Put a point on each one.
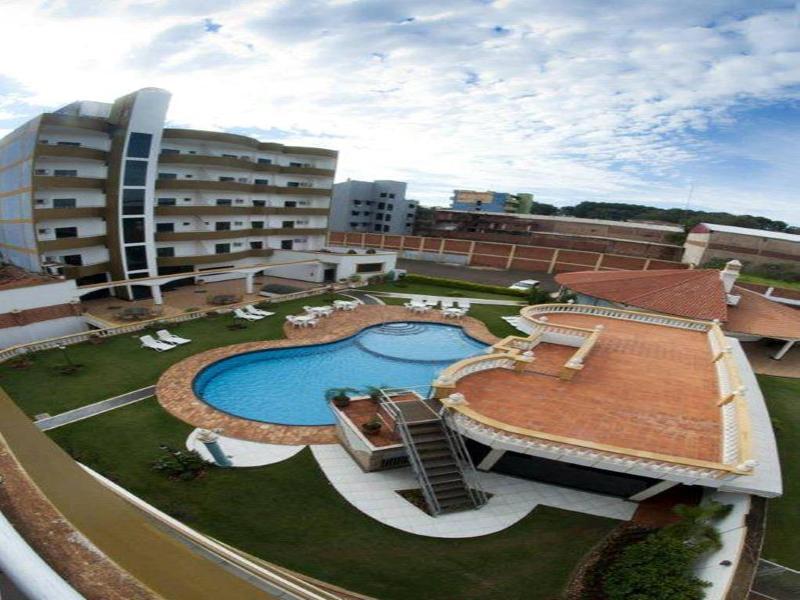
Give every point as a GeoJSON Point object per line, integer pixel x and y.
{"type": "Point", "coordinates": [202, 259]}
{"type": "Point", "coordinates": [69, 243]}
{"type": "Point", "coordinates": [189, 236]}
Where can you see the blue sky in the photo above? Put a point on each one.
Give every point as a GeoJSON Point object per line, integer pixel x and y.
{"type": "Point", "coordinates": [625, 101]}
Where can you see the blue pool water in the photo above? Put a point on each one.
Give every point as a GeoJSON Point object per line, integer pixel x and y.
{"type": "Point", "coordinates": [288, 385]}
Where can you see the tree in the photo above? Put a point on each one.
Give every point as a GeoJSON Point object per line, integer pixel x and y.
{"type": "Point", "coordinates": [540, 208]}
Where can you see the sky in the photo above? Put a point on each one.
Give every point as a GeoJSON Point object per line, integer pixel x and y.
{"type": "Point", "coordinates": [648, 102]}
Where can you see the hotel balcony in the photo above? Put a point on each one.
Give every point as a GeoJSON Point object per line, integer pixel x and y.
{"type": "Point", "coordinates": [45, 214]}
{"type": "Point", "coordinates": [213, 209]}
{"type": "Point", "coordinates": [41, 182]}
{"type": "Point", "coordinates": [201, 259]}
{"type": "Point", "coordinates": [236, 186]}
{"type": "Point", "coordinates": [67, 151]}
{"type": "Point", "coordinates": [192, 236]}
{"type": "Point", "coordinates": [69, 243]}
{"type": "Point", "coordinates": [239, 163]}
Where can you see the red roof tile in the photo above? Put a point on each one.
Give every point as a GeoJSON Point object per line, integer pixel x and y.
{"type": "Point", "coordinates": [693, 294]}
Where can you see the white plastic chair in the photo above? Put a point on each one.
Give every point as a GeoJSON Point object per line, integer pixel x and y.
{"type": "Point", "coordinates": [246, 316]}
{"type": "Point", "coordinates": [148, 341]}
{"type": "Point", "coordinates": [166, 336]}
{"type": "Point", "coordinates": [294, 321]}
{"type": "Point", "coordinates": [252, 310]}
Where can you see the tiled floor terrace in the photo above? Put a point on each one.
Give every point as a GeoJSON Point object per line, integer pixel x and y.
{"type": "Point", "coordinates": [174, 389]}
{"type": "Point", "coordinates": [184, 298]}
{"type": "Point", "coordinates": [643, 387]}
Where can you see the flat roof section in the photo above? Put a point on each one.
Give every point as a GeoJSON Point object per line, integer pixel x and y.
{"type": "Point", "coordinates": [644, 387]}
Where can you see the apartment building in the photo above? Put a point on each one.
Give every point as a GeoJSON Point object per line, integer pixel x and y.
{"type": "Point", "coordinates": [498, 202]}
{"type": "Point", "coordinates": [372, 207]}
{"type": "Point", "coordinates": [753, 247]}
{"type": "Point", "coordinates": [104, 192]}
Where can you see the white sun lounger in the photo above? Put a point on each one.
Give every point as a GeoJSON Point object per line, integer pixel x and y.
{"type": "Point", "coordinates": [166, 336]}
{"type": "Point", "coordinates": [148, 341]}
{"type": "Point", "coordinates": [252, 310]}
{"type": "Point", "coordinates": [238, 312]}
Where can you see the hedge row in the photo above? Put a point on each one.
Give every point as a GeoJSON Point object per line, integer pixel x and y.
{"type": "Point", "coordinates": [464, 285]}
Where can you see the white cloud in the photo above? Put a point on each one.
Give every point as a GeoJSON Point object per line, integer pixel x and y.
{"type": "Point", "coordinates": [576, 100]}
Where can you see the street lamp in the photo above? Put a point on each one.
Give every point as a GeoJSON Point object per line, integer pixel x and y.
{"type": "Point", "coordinates": [63, 349]}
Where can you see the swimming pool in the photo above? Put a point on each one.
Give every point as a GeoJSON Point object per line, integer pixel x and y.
{"type": "Point", "coordinates": [288, 385]}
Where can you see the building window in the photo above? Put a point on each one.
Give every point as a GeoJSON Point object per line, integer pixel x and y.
{"type": "Point", "coordinates": [369, 203]}
{"type": "Point", "coordinates": [287, 224]}
{"type": "Point", "coordinates": [65, 172]}
{"type": "Point", "coordinates": [357, 202]}
{"type": "Point", "coordinates": [390, 207]}
{"type": "Point", "coordinates": [378, 216]}
{"type": "Point", "coordinates": [295, 164]}
{"type": "Point", "coordinates": [170, 151]}
{"type": "Point", "coordinates": [369, 268]}
{"type": "Point", "coordinates": [381, 205]}
{"type": "Point", "coordinates": [230, 156]}
{"type": "Point", "coordinates": [167, 175]}
{"type": "Point", "coordinates": [259, 203]}
{"type": "Point", "coordinates": [256, 245]}
{"type": "Point", "coordinates": [135, 258]}
{"type": "Point", "coordinates": [165, 227]}
{"type": "Point", "coordinates": [135, 172]}
{"type": "Point", "coordinates": [353, 224]}
{"type": "Point", "coordinates": [66, 232]}
{"type": "Point", "coordinates": [387, 217]}
{"type": "Point", "coordinates": [377, 227]}
{"type": "Point", "coordinates": [265, 161]}
{"type": "Point", "coordinates": [133, 230]}
{"type": "Point", "coordinates": [222, 248]}
{"type": "Point", "coordinates": [391, 195]}
{"type": "Point", "coordinates": [383, 194]}
{"type": "Point", "coordinates": [221, 178]}
{"type": "Point", "coordinates": [386, 228]}
{"type": "Point", "coordinates": [222, 226]}
{"type": "Point", "coordinates": [261, 181]}
{"type": "Point", "coordinates": [64, 202]}
{"type": "Point", "coordinates": [139, 145]}
{"type": "Point", "coordinates": [290, 204]}
{"type": "Point", "coordinates": [162, 201]}
{"type": "Point", "coordinates": [292, 184]}
{"type": "Point", "coordinates": [287, 244]}
{"type": "Point", "coordinates": [73, 144]}
{"type": "Point", "coordinates": [257, 225]}
{"type": "Point", "coordinates": [354, 213]}
{"type": "Point", "coordinates": [224, 202]}
{"type": "Point", "coordinates": [132, 202]}
{"type": "Point", "coordinates": [165, 252]}
{"type": "Point", "coordinates": [72, 259]}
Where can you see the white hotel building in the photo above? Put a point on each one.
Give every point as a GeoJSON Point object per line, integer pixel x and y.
{"type": "Point", "coordinates": [104, 192]}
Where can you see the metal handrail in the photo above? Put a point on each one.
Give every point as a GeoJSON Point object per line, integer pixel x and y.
{"type": "Point", "coordinates": [464, 460]}
{"type": "Point", "coordinates": [413, 454]}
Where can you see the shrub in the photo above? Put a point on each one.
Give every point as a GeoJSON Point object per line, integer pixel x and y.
{"type": "Point", "coordinates": [179, 464]}
{"type": "Point", "coordinates": [659, 568]}
{"type": "Point", "coordinates": [464, 285]}
{"type": "Point", "coordinates": [538, 296]}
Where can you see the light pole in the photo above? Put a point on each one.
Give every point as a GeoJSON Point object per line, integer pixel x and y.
{"type": "Point", "coordinates": [63, 349]}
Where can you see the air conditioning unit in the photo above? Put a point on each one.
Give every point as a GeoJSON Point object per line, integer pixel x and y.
{"type": "Point", "coordinates": [40, 201]}
{"type": "Point", "coordinates": [237, 244]}
{"type": "Point", "coordinates": [42, 172]}
{"type": "Point", "coordinates": [301, 222]}
{"type": "Point", "coordinates": [305, 184]}
{"type": "Point", "coordinates": [43, 230]}
{"type": "Point", "coordinates": [303, 203]}
{"type": "Point", "coordinates": [308, 165]}
{"type": "Point", "coordinates": [242, 180]}
{"type": "Point", "coordinates": [54, 270]}
{"type": "Point", "coordinates": [300, 240]}
{"type": "Point", "coordinates": [239, 201]}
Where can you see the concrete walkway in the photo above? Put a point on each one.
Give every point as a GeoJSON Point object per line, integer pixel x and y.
{"type": "Point", "coordinates": [476, 274]}
{"type": "Point", "coordinates": [375, 495]}
{"type": "Point", "coordinates": [84, 412]}
{"type": "Point", "coordinates": [243, 453]}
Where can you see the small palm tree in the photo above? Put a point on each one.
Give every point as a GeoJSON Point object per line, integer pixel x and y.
{"type": "Point", "coordinates": [340, 396]}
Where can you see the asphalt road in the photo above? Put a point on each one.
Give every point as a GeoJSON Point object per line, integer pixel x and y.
{"type": "Point", "coordinates": [475, 274]}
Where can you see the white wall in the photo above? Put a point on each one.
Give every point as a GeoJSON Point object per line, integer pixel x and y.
{"type": "Point", "coordinates": [38, 296]}
{"type": "Point", "coordinates": [11, 336]}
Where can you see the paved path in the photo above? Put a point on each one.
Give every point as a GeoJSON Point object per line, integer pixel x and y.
{"type": "Point", "coordinates": [363, 296]}
{"type": "Point", "coordinates": [84, 412]}
{"type": "Point", "coordinates": [476, 274]}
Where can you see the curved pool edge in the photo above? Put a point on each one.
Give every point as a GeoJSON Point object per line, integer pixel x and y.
{"type": "Point", "coordinates": [175, 392]}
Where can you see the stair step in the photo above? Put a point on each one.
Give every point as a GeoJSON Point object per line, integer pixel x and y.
{"type": "Point", "coordinates": [443, 461]}
{"type": "Point", "coordinates": [454, 493]}
{"type": "Point", "coordinates": [434, 453]}
{"type": "Point", "coordinates": [442, 470]}
{"type": "Point", "coordinates": [424, 428]}
{"type": "Point", "coordinates": [444, 486]}
{"type": "Point", "coordinates": [445, 478]}
{"type": "Point", "coordinates": [428, 437]}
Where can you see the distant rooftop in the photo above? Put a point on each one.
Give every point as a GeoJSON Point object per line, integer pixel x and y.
{"type": "Point", "coordinates": [656, 227]}
{"type": "Point", "coordinates": [13, 277]}
{"type": "Point", "coordinates": [775, 235]}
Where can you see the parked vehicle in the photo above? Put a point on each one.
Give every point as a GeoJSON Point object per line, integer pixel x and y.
{"type": "Point", "coordinates": [525, 285]}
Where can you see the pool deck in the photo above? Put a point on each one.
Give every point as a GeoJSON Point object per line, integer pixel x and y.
{"type": "Point", "coordinates": [174, 388]}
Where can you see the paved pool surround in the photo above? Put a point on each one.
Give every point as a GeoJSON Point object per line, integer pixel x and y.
{"type": "Point", "coordinates": [175, 392]}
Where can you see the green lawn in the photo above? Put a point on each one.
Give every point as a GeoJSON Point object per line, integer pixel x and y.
{"type": "Point", "coordinates": [120, 365]}
{"type": "Point", "coordinates": [426, 289]}
{"type": "Point", "coordinates": [782, 543]}
{"type": "Point", "coordinates": [289, 514]}
{"type": "Point", "coordinates": [794, 285]}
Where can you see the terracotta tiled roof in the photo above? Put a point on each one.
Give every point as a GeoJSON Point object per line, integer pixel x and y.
{"type": "Point", "coordinates": [14, 277]}
{"type": "Point", "coordinates": [759, 316]}
{"type": "Point", "coordinates": [694, 294]}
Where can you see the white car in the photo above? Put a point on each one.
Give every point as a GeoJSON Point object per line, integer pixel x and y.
{"type": "Point", "coordinates": [526, 285]}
